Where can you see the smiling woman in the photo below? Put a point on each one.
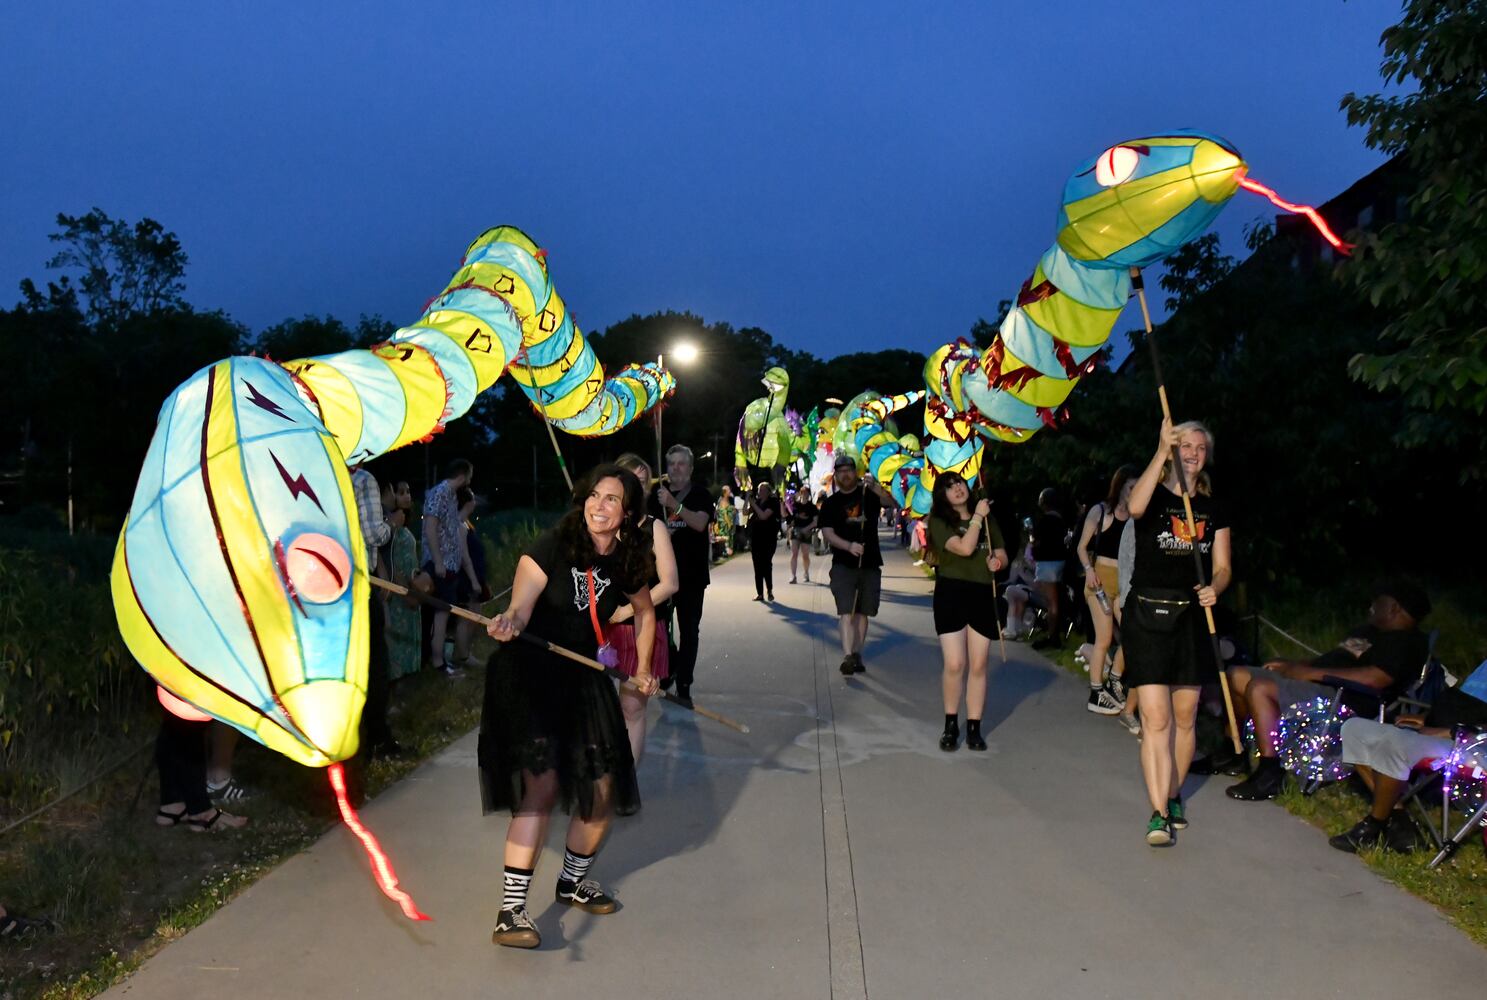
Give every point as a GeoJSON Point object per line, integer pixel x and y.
{"type": "Point", "coordinates": [553, 730]}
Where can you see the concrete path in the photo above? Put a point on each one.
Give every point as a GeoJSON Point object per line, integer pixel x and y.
{"type": "Point", "coordinates": [836, 852]}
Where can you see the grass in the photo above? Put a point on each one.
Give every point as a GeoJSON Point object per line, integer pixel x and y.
{"type": "Point", "coordinates": [1459, 886]}
{"type": "Point", "coordinates": [119, 888]}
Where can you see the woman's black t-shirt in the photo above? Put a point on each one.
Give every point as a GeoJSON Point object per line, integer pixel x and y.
{"type": "Point", "coordinates": [1164, 547]}
{"type": "Point", "coordinates": [561, 614]}
{"type": "Point", "coordinates": [765, 529]}
{"type": "Point", "coordinates": [803, 514]}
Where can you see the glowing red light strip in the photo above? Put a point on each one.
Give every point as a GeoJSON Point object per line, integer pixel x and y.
{"type": "Point", "coordinates": [1249, 184]}
{"type": "Point", "coordinates": [387, 879]}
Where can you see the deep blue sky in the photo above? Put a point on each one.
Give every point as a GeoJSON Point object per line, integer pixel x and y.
{"type": "Point", "coordinates": [847, 176]}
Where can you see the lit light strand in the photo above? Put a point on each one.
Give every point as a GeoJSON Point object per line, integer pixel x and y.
{"type": "Point", "coordinates": [1250, 184]}
{"type": "Point", "coordinates": [387, 879]}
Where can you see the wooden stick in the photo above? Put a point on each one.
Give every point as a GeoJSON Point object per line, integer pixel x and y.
{"type": "Point", "coordinates": [542, 408]}
{"type": "Point", "coordinates": [1187, 506]}
{"type": "Point", "coordinates": [1001, 640]}
{"type": "Point", "coordinates": [551, 647]}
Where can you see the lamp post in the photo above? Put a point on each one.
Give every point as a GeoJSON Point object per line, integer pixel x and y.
{"type": "Point", "coordinates": [684, 353]}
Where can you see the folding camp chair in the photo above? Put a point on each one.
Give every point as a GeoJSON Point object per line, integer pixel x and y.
{"type": "Point", "coordinates": [1466, 763]}
{"type": "Point", "coordinates": [1366, 702]}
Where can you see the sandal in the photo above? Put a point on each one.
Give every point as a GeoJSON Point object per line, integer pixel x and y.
{"type": "Point", "coordinates": [164, 817]}
{"type": "Point", "coordinates": [209, 823]}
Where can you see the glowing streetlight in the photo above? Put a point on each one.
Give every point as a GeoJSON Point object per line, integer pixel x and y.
{"type": "Point", "coordinates": [683, 352]}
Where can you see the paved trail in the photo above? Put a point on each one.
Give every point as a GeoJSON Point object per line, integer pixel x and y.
{"type": "Point", "coordinates": [837, 853]}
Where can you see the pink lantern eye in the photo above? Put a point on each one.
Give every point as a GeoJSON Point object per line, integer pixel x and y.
{"type": "Point", "coordinates": [318, 567]}
{"type": "Point", "coordinates": [1116, 165]}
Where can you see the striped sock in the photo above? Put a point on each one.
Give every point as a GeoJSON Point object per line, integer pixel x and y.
{"type": "Point", "coordinates": [515, 883]}
{"type": "Point", "coordinates": [575, 866]}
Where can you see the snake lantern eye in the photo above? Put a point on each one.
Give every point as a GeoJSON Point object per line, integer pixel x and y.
{"type": "Point", "coordinates": [318, 567]}
{"type": "Point", "coordinates": [1116, 165]}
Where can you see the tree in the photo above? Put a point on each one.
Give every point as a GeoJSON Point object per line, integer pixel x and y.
{"type": "Point", "coordinates": [1428, 270]}
{"type": "Point", "coordinates": [126, 270]}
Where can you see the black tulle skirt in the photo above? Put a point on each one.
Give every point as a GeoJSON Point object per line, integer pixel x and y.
{"type": "Point", "coordinates": [544, 713]}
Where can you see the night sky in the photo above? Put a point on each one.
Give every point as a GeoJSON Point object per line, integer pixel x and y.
{"type": "Point", "coordinates": [848, 176]}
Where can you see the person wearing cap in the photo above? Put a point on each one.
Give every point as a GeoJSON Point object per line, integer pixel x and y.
{"type": "Point", "coordinates": [849, 523]}
{"type": "Point", "coordinates": [1384, 654]}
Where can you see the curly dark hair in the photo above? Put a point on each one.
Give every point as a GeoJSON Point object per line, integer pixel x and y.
{"type": "Point", "coordinates": [634, 559]}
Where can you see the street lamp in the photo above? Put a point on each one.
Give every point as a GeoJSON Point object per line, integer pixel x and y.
{"type": "Point", "coordinates": [683, 352]}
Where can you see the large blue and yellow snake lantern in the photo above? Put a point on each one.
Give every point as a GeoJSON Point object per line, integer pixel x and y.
{"type": "Point", "coordinates": [1128, 207]}
{"type": "Point", "coordinates": [240, 579]}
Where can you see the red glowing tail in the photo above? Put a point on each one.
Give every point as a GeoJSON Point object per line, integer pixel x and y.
{"type": "Point", "coordinates": [387, 879]}
{"type": "Point", "coordinates": [1250, 184]}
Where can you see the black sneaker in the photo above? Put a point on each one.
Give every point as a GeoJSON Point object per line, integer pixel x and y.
{"type": "Point", "coordinates": [1266, 783]}
{"type": "Point", "coordinates": [1402, 835]}
{"type": "Point", "coordinates": [514, 929]}
{"type": "Point", "coordinates": [586, 895]}
{"type": "Point", "coordinates": [1117, 688]}
{"type": "Point", "coordinates": [684, 695]}
{"type": "Point", "coordinates": [848, 667]}
{"type": "Point", "coordinates": [1367, 832]}
{"type": "Point", "coordinates": [1102, 702]}
{"type": "Point", "coordinates": [1221, 762]}
{"type": "Point", "coordinates": [1159, 831]}
{"type": "Point", "coordinates": [857, 663]}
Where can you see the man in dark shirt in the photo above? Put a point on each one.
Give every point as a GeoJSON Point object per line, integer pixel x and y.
{"type": "Point", "coordinates": [1050, 552]}
{"type": "Point", "coordinates": [687, 509]}
{"type": "Point", "coordinates": [1385, 654]}
{"type": "Point", "coordinates": [849, 523]}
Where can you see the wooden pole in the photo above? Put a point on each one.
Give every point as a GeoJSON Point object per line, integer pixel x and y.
{"type": "Point", "coordinates": [551, 647]}
{"type": "Point", "coordinates": [542, 408]}
{"type": "Point", "coordinates": [1187, 506]}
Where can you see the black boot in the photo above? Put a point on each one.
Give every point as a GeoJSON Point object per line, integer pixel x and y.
{"type": "Point", "coordinates": [1367, 832]}
{"type": "Point", "coordinates": [950, 738]}
{"type": "Point", "coordinates": [973, 735]}
{"type": "Point", "coordinates": [1266, 782]}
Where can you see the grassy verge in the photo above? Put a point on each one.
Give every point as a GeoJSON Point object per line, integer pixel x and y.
{"type": "Point", "coordinates": [119, 887]}
{"type": "Point", "coordinates": [1459, 886]}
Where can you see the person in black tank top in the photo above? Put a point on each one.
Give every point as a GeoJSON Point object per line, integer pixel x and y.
{"type": "Point", "coordinates": [1097, 551]}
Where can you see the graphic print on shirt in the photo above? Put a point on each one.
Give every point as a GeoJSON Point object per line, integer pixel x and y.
{"type": "Point", "coordinates": [1179, 539]}
{"type": "Point", "coordinates": [581, 588]}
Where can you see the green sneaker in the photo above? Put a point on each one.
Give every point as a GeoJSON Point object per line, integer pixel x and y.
{"type": "Point", "coordinates": [1159, 830]}
{"type": "Point", "coordinates": [1176, 815]}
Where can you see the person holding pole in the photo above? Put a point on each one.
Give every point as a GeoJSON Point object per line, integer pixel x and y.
{"type": "Point", "coordinates": [551, 730]}
{"type": "Point", "coordinates": [849, 523]}
{"type": "Point", "coordinates": [686, 508]}
{"type": "Point", "coordinates": [969, 551]}
{"type": "Point", "coordinates": [1163, 629]}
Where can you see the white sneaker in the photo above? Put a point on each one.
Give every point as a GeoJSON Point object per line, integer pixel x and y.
{"type": "Point", "coordinates": [1132, 724]}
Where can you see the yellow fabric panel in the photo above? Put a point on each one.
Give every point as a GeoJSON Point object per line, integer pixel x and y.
{"type": "Point", "coordinates": [424, 392]}
{"type": "Point", "coordinates": [1216, 171]}
{"type": "Point", "coordinates": [505, 283]}
{"type": "Point", "coordinates": [1073, 322]}
{"type": "Point", "coordinates": [250, 554]}
{"type": "Point", "coordinates": [1044, 391]}
{"type": "Point", "coordinates": [486, 351]}
{"type": "Point", "coordinates": [340, 404]}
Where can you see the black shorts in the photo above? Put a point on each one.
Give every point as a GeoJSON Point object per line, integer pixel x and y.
{"type": "Point", "coordinates": [961, 603]}
{"type": "Point", "coordinates": [856, 590]}
{"type": "Point", "coordinates": [447, 587]}
{"type": "Point", "coordinates": [1182, 657]}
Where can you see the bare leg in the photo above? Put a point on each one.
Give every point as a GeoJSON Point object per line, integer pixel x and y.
{"type": "Point", "coordinates": [633, 704]}
{"type": "Point", "coordinates": [528, 829]}
{"type": "Point", "coordinates": [805, 555]}
{"type": "Point", "coordinates": [1156, 747]}
{"type": "Point", "coordinates": [585, 836]}
{"type": "Point", "coordinates": [1184, 718]}
{"type": "Point", "coordinates": [953, 675]}
{"type": "Point", "coordinates": [1050, 597]}
{"type": "Point", "coordinates": [1104, 632]}
{"type": "Point", "coordinates": [978, 649]}
{"type": "Point", "coordinates": [223, 744]}
{"type": "Point", "coordinates": [849, 633]}
{"type": "Point", "coordinates": [1263, 699]}
{"type": "Point", "coordinates": [795, 558]}
{"type": "Point", "coordinates": [860, 632]}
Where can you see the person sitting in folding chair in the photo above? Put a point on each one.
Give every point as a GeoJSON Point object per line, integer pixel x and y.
{"type": "Point", "coordinates": [1384, 755]}
{"type": "Point", "coordinates": [1381, 657]}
